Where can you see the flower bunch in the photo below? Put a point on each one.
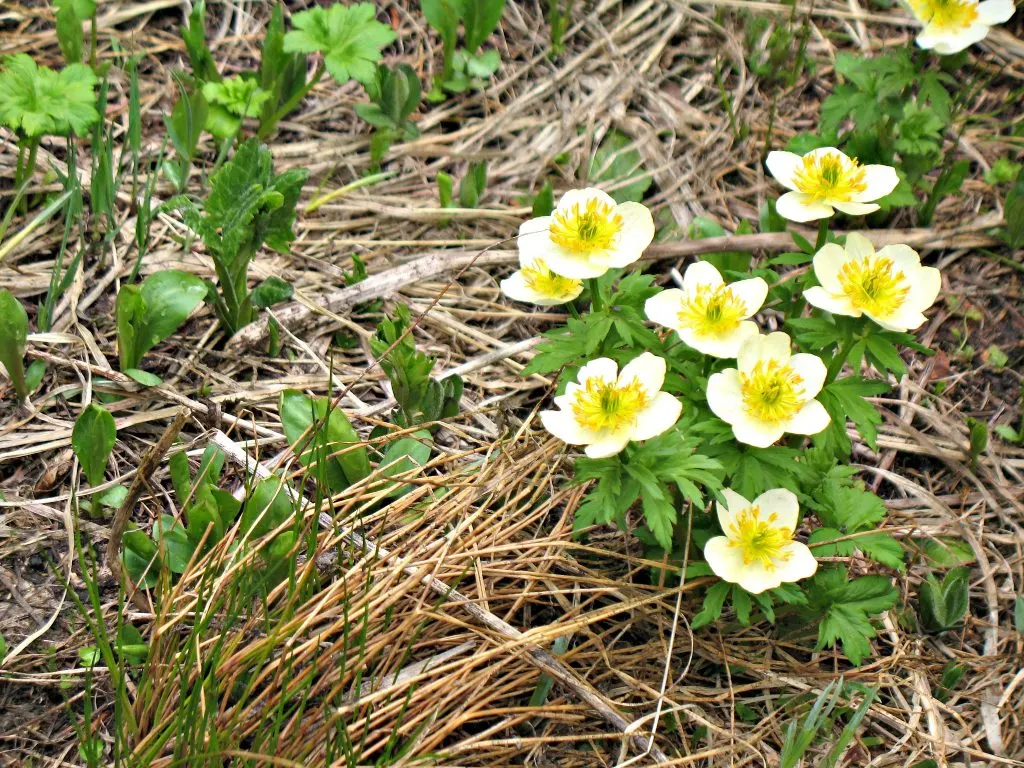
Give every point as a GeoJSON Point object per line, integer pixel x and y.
{"type": "Point", "coordinates": [702, 401]}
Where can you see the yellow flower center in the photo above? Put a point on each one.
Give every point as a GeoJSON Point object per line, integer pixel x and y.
{"type": "Point", "coordinates": [760, 540]}
{"type": "Point", "coordinates": [946, 14]}
{"type": "Point", "coordinates": [606, 405]}
{"type": "Point", "coordinates": [828, 177]}
{"type": "Point", "coordinates": [592, 226]}
{"type": "Point", "coordinates": [874, 285]}
{"type": "Point", "coordinates": [712, 311]}
{"type": "Point", "coordinates": [542, 280]}
{"type": "Point", "coordinates": [772, 392]}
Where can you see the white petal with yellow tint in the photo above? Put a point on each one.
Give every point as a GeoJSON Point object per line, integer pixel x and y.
{"type": "Point", "coordinates": [648, 369]}
{"type": "Point", "coordinates": [583, 196]}
{"type": "Point", "coordinates": [783, 166]}
{"type": "Point", "coordinates": [607, 446]}
{"type": "Point", "coordinates": [660, 416]}
{"type": "Point", "coordinates": [811, 369]}
{"type": "Point", "coordinates": [828, 261]}
{"type": "Point", "coordinates": [663, 308]}
{"type": "Point", "coordinates": [562, 425]}
{"type": "Point", "coordinates": [880, 180]}
{"type": "Point", "coordinates": [752, 292]}
{"type": "Point", "coordinates": [782, 503]}
{"type": "Point", "coordinates": [575, 265]}
{"type": "Point", "coordinates": [799, 565]}
{"type": "Point", "coordinates": [757, 433]}
{"type": "Point", "coordinates": [855, 209]}
{"type": "Point", "coordinates": [727, 563]}
{"type": "Point", "coordinates": [811, 419]}
{"type": "Point", "coordinates": [798, 207]}
{"type": "Point", "coordinates": [701, 273]}
{"type": "Point", "coordinates": [836, 304]}
{"type": "Point", "coordinates": [924, 288]}
{"type": "Point", "coordinates": [636, 234]}
{"type": "Point", "coordinates": [734, 504]}
{"type": "Point", "coordinates": [725, 398]}
{"type": "Point", "coordinates": [995, 11]}
{"type": "Point", "coordinates": [771, 346]}
{"type": "Point", "coordinates": [724, 347]}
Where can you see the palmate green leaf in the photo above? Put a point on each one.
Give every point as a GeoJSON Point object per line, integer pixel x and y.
{"type": "Point", "coordinates": [349, 37]}
{"type": "Point", "coordinates": [152, 312]}
{"type": "Point", "coordinates": [36, 101]}
{"type": "Point", "coordinates": [92, 439]}
{"type": "Point", "coordinates": [846, 606]}
{"type": "Point", "coordinates": [844, 399]}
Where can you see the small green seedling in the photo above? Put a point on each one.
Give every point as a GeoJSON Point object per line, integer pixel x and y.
{"type": "Point", "coordinates": [324, 440]}
{"type": "Point", "coordinates": [1013, 214]}
{"type": "Point", "coordinates": [37, 101]}
{"type": "Point", "coordinates": [420, 398]}
{"type": "Point", "coordinates": [944, 603]}
{"type": "Point", "coordinates": [230, 101]}
{"type": "Point", "coordinates": [193, 34]}
{"type": "Point", "coordinates": [281, 74]}
{"type": "Point", "coordinates": [471, 187]}
{"type": "Point", "coordinates": [70, 16]}
{"type": "Point", "coordinates": [92, 440]}
{"type": "Point", "coordinates": [978, 439]}
{"type": "Point", "coordinates": [395, 95]}
{"type": "Point", "coordinates": [13, 333]}
{"type": "Point", "coordinates": [149, 313]}
{"type": "Point", "coordinates": [464, 67]}
{"type": "Point", "coordinates": [184, 127]}
{"type": "Point", "coordinates": [617, 160]}
{"type": "Point", "coordinates": [248, 206]}
{"type": "Point", "coordinates": [558, 18]}
{"type": "Point", "coordinates": [349, 37]}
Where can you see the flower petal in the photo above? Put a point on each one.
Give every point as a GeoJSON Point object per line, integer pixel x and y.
{"type": "Point", "coordinates": [608, 445]}
{"type": "Point", "coordinates": [854, 209]}
{"type": "Point", "coordinates": [798, 207]}
{"type": "Point", "coordinates": [663, 308]}
{"type": "Point", "coordinates": [924, 288]}
{"type": "Point", "coordinates": [562, 425]}
{"type": "Point", "coordinates": [799, 565]}
{"type": "Point", "coordinates": [727, 563]}
{"type": "Point", "coordinates": [724, 347]}
{"type": "Point", "coordinates": [759, 434]}
{"type": "Point", "coordinates": [602, 368]}
{"type": "Point", "coordinates": [811, 369]}
{"type": "Point", "coordinates": [582, 197]}
{"type": "Point", "coordinates": [636, 234]}
{"type": "Point", "coordinates": [782, 503]}
{"type": "Point", "coordinates": [903, 320]}
{"type": "Point", "coordinates": [578, 266]}
{"type": "Point", "coordinates": [660, 416]}
{"type": "Point", "coordinates": [648, 369]}
{"type": "Point", "coordinates": [751, 292]}
{"type": "Point", "coordinates": [772, 346]}
{"type": "Point", "coordinates": [515, 287]}
{"type": "Point", "coordinates": [809, 420]}
{"type": "Point", "coordinates": [727, 513]}
{"type": "Point", "coordinates": [837, 304]}
{"type": "Point", "coordinates": [995, 11]}
{"type": "Point", "coordinates": [903, 257]}
{"type": "Point", "coordinates": [724, 396]}
{"type": "Point", "coordinates": [858, 246]}
{"type": "Point", "coordinates": [701, 273]}
{"type": "Point", "coordinates": [828, 261]}
{"type": "Point", "coordinates": [783, 166]}
{"type": "Point", "coordinates": [537, 226]}
{"type": "Point", "coordinates": [879, 181]}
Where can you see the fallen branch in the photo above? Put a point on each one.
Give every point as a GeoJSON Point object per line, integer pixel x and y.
{"type": "Point", "coordinates": [539, 657]}
{"type": "Point", "coordinates": [298, 314]}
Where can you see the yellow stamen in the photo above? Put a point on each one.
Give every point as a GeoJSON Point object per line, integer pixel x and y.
{"type": "Point", "coordinates": [712, 311]}
{"type": "Point", "coordinates": [542, 280]}
{"type": "Point", "coordinates": [949, 15]}
{"type": "Point", "coordinates": [761, 541]}
{"type": "Point", "coordinates": [874, 285]}
{"type": "Point", "coordinates": [592, 226]}
{"type": "Point", "coordinates": [606, 405]}
{"type": "Point", "coordinates": [772, 392]}
{"type": "Point", "coordinates": [828, 177]}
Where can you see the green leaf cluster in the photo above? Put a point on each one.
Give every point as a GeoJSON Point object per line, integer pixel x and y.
{"type": "Point", "coordinates": [324, 440]}
{"type": "Point", "coordinates": [395, 94]}
{"type": "Point", "coordinates": [349, 37]}
{"type": "Point", "coordinates": [471, 187]}
{"type": "Point", "coordinates": [70, 15]}
{"type": "Point", "coordinates": [230, 100]}
{"type": "Point", "coordinates": [617, 161]}
{"type": "Point", "coordinates": [421, 399]}
{"type": "Point", "coordinates": [152, 311]}
{"type": "Point", "coordinates": [464, 67]}
{"type": "Point", "coordinates": [844, 607]}
{"type": "Point", "coordinates": [944, 603]}
{"type": "Point", "coordinates": [248, 206]}
{"type": "Point", "coordinates": [35, 101]}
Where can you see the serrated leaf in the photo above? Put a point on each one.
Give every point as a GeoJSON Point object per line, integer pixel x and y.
{"type": "Point", "coordinates": [39, 102]}
{"type": "Point", "coordinates": [349, 37]}
{"type": "Point", "coordinates": [711, 610]}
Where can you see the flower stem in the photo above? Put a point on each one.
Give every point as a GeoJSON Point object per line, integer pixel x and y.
{"type": "Point", "coordinates": [822, 235]}
{"type": "Point", "coordinates": [596, 299]}
{"type": "Point", "coordinates": [571, 306]}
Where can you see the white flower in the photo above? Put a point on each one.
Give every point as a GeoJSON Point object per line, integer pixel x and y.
{"type": "Point", "coordinates": [757, 551]}
{"type": "Point", "coordinates": [770, 393]}
{"type": "Point", "coordinates": [534, 283]}
{"type": "Point", "coordinates": [709, 315]}
{"type": "Point", "coordinates": [890, 286]}
{"type": "Point", "coordinates": [952, 25]}
{"type": "Point", "coordinates": [607, 409]}
{"type": "Point", "coordinates": [587, 234]}
{"type": "Point", "coordinates": [826, 179]}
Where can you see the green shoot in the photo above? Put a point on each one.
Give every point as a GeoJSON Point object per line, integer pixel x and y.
{"type": "Point", "coordinates": [230, 101]}
{"type": "Point", "coordinates": [13, 332]}
{"type": "Point", "coordinates": [149, 313]}
{"type": "Point", "coordinates": [349, 37]}
{"type": "Point", "coordinates": [395, 94]}
{"type": "Point", "coordinates": [70, 15]}
{"type": "Point", "coordinates": [465, 67]}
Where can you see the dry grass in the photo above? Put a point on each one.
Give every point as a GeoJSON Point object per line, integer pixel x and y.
{"type": "Point", "coordinates": [447, 673]}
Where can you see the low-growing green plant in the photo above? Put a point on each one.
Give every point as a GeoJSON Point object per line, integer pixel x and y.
{"type": "Point", "coordinates": [193, 34]}
{"type": "Point", "coordinates": [394, 95]}
{"type": "Point", "coordinates": [466, 67]}
{"type": "Point", "coordinates": [944, 603]}
{"type": "Point", "coordinates": [13, 334]}
{"type": "Point", "coordinates": [618, 160]}
{"type": "Point", "coordinates": [248, 206]}
{"type": "Point", "coordinates": [184, 128]}
{"type": "Point", "coordinates": [421, 399]}
{"type": "Point", "coordinates": [231, 100]}
{"type": "Point", "coordinates": [1013, 214]}
{"type": "Point", "coordinates": [70, 16]}
{"type": "Point", "coordinates": [37, 101]}
{"type": "Point", "coordinates": [150, 312]}
{"type": "Point", "coordinates": [471, 187]}
{"type": "Point", "coordinates": [817, 726]}
{"type": "Point", "coordinates": [559, 14]}
{"type": "Point", "coordinates": [92, 439]}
